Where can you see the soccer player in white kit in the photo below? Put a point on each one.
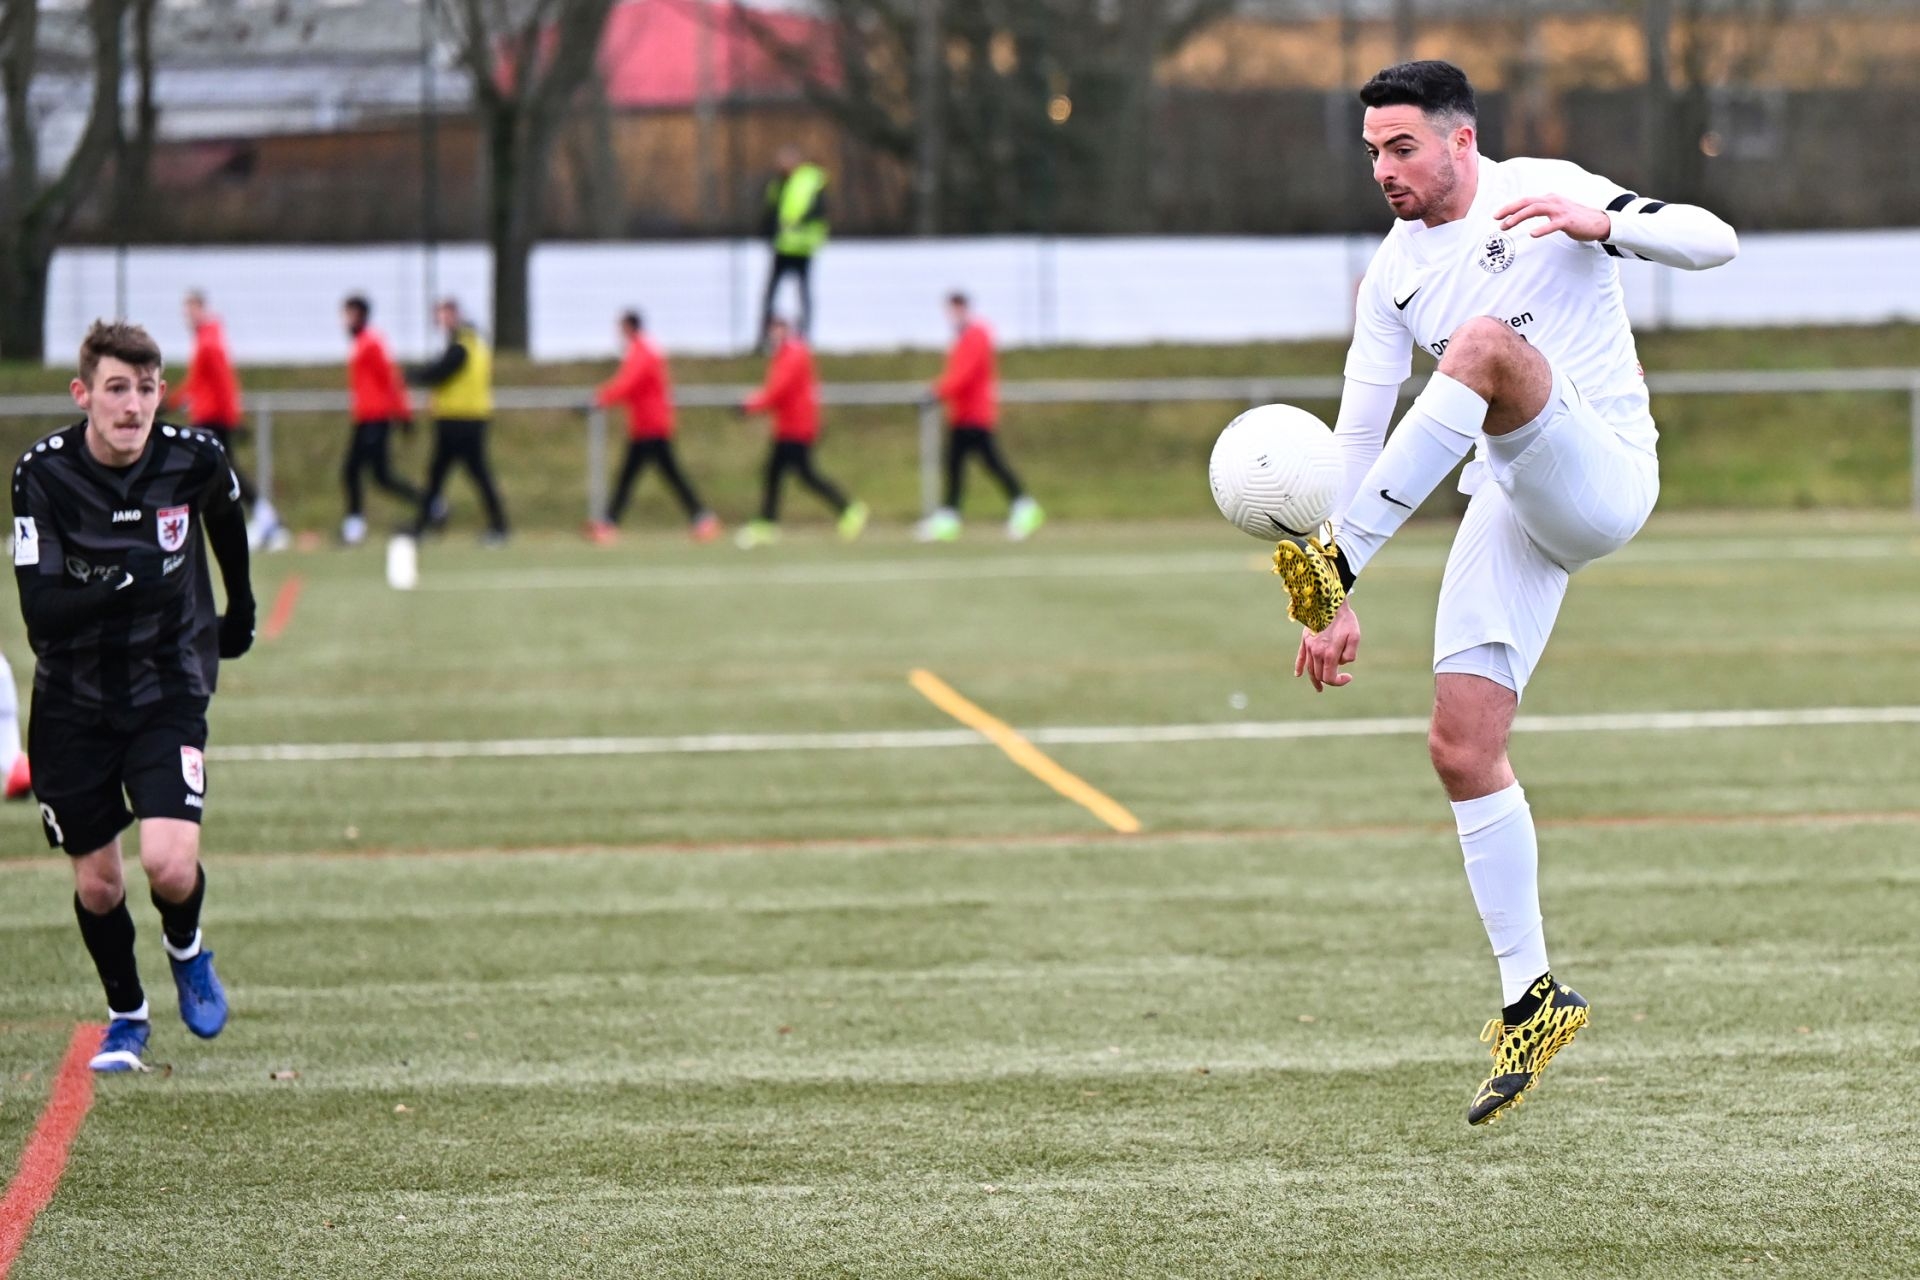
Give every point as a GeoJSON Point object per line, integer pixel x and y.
{"type": "Point", "coordinates": [1507, 272]}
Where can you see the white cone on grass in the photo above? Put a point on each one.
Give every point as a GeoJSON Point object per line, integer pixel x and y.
{"type": "Point", "coordinates": [403, 563]}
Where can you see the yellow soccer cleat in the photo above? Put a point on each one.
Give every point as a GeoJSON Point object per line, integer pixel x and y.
{"type": "Point", "coordinates": [1316, 577]}
{"type": "Point", "coordinates": [1521, 1052]}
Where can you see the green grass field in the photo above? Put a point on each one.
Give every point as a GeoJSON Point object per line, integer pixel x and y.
{"type": "Point", "coordinates": [1113, 462]}
{"type": "Point", "coordinates": [904, 1011]}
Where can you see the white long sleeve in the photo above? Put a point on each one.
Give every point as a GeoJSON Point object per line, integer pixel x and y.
{"type": "Point", "coordinates": [1360, 432]}
{"type": "Point", "coordinates": [1674, 235]}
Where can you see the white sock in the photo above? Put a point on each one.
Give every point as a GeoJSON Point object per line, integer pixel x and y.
{"type": "Point", "coordinates": [1435, 433]}
{"type": "Point", "coordinates": [185, 953]}
{"type": "Point", "coordinates": [9, 720]}
{"type": "Point", "coordinates": [138, 1015]}
{"type": "Point", "coordinates": [1503, 866]}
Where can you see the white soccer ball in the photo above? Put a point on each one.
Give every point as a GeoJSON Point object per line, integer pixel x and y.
{"type": "Point", "coordinates": [1276, 473]}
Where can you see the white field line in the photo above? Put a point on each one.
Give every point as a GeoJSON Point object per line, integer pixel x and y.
{"type": "Point", "coordinates": [855, 573]}
{"type": "Point", "coordinates": [1109, 565]}
{"type": "Point", "coordinates": [1101, 735]}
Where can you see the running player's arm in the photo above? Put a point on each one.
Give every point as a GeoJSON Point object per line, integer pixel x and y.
{"type": "Point", "coordinates": [432, 375]}
{"type": "Point", "coordinates": [187, 392]}
{"type": "Point", "coordinates": [226, 523]}
{"type": "Point", "coordinates": [1378, 361]}
{"type": "Point", "coordinates": [1587, 207]}
{"type": "Point", "coordinates": [625, 381]}
{"type": "Point", "coordinates": [781, 379]}
{"type": "Point", "coordinates": [55, 606]}
{"type": "Point", "coordinates": [965, 365]}
{"type": "Point", "coordinates": [390, 371]}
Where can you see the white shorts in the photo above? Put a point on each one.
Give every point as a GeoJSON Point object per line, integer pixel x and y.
{"type": "Point", "coordinates": [1567, 490]}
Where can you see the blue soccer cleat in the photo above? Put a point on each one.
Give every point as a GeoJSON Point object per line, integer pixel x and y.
{"type": "Point", "coordinates": [121, 1045]}
{"type": "Point", "coordinates": [203, 1001]}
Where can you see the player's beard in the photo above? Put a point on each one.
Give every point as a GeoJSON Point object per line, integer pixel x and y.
{"type": "Point", "coordinates": [1446, 180]}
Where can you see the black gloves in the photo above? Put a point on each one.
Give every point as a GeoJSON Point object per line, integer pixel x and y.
{"type": "Point", "coordinates": [236, 628]}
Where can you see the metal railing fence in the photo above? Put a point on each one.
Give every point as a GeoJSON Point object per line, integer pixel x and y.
{"type": "Point", "coordinates": [264, 405]}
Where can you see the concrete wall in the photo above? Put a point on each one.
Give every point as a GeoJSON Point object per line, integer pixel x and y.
{"type": "Point", "coordinates": [281, 305]}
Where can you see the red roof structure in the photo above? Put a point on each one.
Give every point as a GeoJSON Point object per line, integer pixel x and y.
{"type": "Point", "coordinates": [656, 53]}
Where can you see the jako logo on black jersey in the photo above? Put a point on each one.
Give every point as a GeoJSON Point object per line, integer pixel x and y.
{"type": "Point", "coordinates": [126, 517]}
{"type": "Point", "coordinates": [1524, 318]}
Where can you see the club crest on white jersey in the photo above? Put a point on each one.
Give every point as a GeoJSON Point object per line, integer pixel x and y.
{"type": "Point", "coordinates": [1496, 254]}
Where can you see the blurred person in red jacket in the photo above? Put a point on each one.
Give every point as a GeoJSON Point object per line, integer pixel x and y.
{"type": "Point", "coordinates": [969, 389]}
{"type": "Point", "coordinates": [791, 395]}
{"type": "Point", "coordinates": [16, 775]}
{"type": "Point", "coordinates": [379, 405]}
{"type": "Point", "coordinates": [643, 386]}
{"type": "Point", "coordinates": [210, 395]}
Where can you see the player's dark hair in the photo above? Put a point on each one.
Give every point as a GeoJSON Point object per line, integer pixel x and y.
{"type": "Point", "coordinates": [633, 320]}
{"type": "Point", "coordinates": [128, 343]}
{"type": "Point", "coordinates": [358, 304]}
{"type": "Point", "coordinates": [956, 299]}
{"type": "Point", "coordinates": [1439, 89]}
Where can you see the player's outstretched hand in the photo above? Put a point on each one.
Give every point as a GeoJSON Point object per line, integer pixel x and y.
{"type": "Point", "coordinates": [1323, 653]}
{"type": "Point", "coordinates": [1560, 214]}
{"type": "Point", "coordinates": [236, 628]}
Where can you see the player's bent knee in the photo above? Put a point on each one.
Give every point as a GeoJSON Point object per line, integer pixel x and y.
{"type": "Point", "coordinates": [1481, 337]}
{"type": "Point", "coordinates": [1481, 331]}
{"type": "Point", "coordinates": [170, 854]}
{"type": "Point", "coordinates": [100, 892]}
{"type": "Point", "coordinates": [1463, 761]}
{"type": "Point", "coordinates": [98, 882]}
{"type": "Point", "coordinates": [1484, 345]}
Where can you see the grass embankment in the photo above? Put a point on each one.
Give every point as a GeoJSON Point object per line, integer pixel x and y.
{"type": "Point", "coordinates": [1116, 461]}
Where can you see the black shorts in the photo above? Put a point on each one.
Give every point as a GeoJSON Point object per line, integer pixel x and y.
{"type": "Point", "coordinates": [88, 764]}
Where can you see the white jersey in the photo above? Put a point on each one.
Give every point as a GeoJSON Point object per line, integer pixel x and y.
{"type": "Point", "coordinates": [1562, 295]}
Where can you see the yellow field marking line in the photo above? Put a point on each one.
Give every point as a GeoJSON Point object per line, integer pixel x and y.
{"type": "Point", "coordinates": [1021, 752]}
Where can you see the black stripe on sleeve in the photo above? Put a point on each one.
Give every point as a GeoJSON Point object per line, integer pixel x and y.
{"type": "Point", "coordinates": [1654, 206]}
{"type": "Point", "coordinates": [1621, 201]}
{"type": "Point", "coordinates": [1612, 252]}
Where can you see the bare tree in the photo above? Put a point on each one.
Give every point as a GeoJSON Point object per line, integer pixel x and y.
{"type": "Point", "coordinates": [1697, 50]}
{"type": "Point", "coordinates": [528, 59]}
{"type": "Point", "coordinates": [593, 165]}
{"type": "Point", "coordinates": [1036, 100]}
{"type": "Point", "coordinates": [133, 153]}
{"type": "Point", "coordinates": [34, 209]}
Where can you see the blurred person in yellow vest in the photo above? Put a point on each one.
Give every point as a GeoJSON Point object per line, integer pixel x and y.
{"type": "Point", "coordinates": [460, 397]}
{"type": "Point", "coordinates": [795, 224]}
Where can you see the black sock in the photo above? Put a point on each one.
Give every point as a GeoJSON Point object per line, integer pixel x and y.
{"type": "Point", "coordinates": [109, 940]}
{"type": "Point", "coordinates": [1529, 1003]}
{"type": "Point", "coordinates": [181, 920]}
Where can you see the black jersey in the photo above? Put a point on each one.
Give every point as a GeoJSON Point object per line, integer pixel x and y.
{"type": "Point", "coordinates": [79, 524]}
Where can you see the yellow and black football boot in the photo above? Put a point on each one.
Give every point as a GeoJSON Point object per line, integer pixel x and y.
{"type": "Point", "coordinates": [1525, 1038]}
{"type": "Point", "coordinates": [1316, 577]}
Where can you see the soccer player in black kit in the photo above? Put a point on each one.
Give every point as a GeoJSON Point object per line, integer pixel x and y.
{"type": "Point", "coordinates": [118, 601]}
